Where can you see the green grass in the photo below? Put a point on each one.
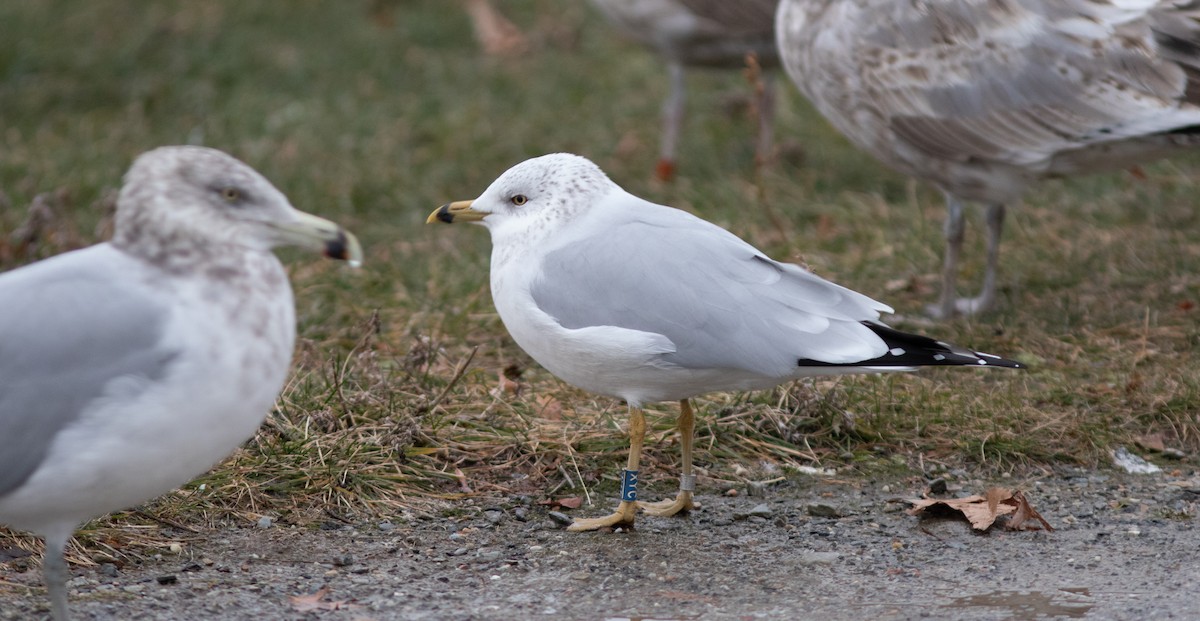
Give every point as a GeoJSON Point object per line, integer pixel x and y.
{"type": "Point", "coordinates": [374, 121]}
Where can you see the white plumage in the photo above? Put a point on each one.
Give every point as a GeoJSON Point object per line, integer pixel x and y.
{"type": "Point", "coordinates": [131, 366]}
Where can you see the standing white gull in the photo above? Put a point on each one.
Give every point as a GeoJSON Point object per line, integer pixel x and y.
{"type": "Point", "coordinates": [985, 97]}
{"type": "Point", "coordinates": [642, 302]}
{"type": "Point", "coordinates": [131, 366]}
{"type": "Point", "coordinates": [700, 33]}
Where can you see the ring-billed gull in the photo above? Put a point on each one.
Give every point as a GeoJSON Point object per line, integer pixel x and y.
{"type": "Point", "coordinates": [643, 302]}
{"type": "Point", "coordinates": [700, 33]}
{"type": "Point", "coordinates": [131, 366]}
{"type": "Point", "coordinates": [983, 98]}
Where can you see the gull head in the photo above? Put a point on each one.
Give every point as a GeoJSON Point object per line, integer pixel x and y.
{"type": "Point", "coordinates": [533, 197]}
{"type": "Point", "coordinates": [182, 203]}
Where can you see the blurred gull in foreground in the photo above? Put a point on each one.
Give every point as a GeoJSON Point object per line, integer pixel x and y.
{"type": "Point", "coordinates": [642, 302]}
{"type": "Point", "coordinates": [131, 366]}
{"type": "Point", "coordinates": [985, 97]}
{"type": "Point", "coordinates": [700, 33]}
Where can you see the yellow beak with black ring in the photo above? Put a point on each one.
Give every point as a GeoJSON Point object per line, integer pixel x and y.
{"type": "Point", "coordinates": [458, 211]}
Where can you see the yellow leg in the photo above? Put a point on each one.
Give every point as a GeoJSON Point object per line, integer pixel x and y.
{"type": "Point", "coordinates": [687, 483]}
{"type": "Point", "coordinates": [626, 511]}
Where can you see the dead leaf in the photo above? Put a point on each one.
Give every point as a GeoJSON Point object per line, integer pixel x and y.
{"type": "Point", "coordinates": [572, 502]}
{"type": "Point", "coordinates": [312, 601]}
{"type": "Point", "coordinates": [982, 511]}
{"type": "Point", "coordinates": [1024, 513]}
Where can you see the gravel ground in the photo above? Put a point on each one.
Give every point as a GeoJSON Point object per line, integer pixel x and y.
{"type": "Point", "coordinates": [1126, 547]}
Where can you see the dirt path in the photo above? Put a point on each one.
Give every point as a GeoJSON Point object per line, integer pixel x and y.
{"type": "Point", "coordinates": [1127, 547]}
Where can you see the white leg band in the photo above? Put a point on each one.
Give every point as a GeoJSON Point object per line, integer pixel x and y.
{"type": "Point", "coordinates": [687, 483]}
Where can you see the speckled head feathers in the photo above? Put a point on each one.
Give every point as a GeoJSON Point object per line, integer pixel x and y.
{"type": "Point", "coordinates": [188, 198]}
{"type": "Point", "coordinates": [551, 187]}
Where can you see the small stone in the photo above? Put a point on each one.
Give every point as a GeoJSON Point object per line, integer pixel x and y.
{"type": "Point", "coordinates": [343, 560]}
{"type": "Point", "coordinates": [820, 509]}
{"type": "Point", "coordinates": [386, 526]}
{"type": "Point", "coordinates": [265, 522]}
{"type": "Point", "coordinates": [457, 552]}
{"type": "Point", "coordinates": [937, 486]}
{"type": "Point", "coordinates": [731, 492]}
{"type": "Point", "coordinates": [495, 517]}
{"type": "Point", "coordinates": [456, 536]}
{"type": "Point", "coordinates": [761, 510]}
{"type": "Point", "coordinates": [521, 514]}
{"type": "Point", "coordinates": [175, 548]}
{"type": "Point", "coordinates": [108, 569]}
{"type": "Point", "coordinates": [560, 518]}
{"type": "Point", "coordinates": [489, 556]}
{"type": "Point", "coordinates": [167, 579]}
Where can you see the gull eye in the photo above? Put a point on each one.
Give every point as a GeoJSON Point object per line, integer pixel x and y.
{"type": "Point", "coordinates": [231, 195]}
{"type": "Point", "coordinates": [519, 199]}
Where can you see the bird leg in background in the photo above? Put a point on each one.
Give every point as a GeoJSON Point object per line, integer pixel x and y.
{"type": "Point", "coordinates": [764, 110]}
{"type": "Point", "coordinates": [953, 230]}
{"type": "Point", "coordinates": [951, 304]}
{"type": "Point", "coordinates": [672, 122]}
{"type": "Point", "coordinates": [987, 297]}
{"type": "Point", "coordinates": [687, 481]}
{"type": "Point", "coordinates": [626, 511]}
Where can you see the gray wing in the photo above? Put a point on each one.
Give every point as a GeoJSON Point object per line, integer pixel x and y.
{"type": "Point", "coordinates": [1014, 82]}
{"type": "Point", "coordinates": [67, 328]}
{"type": "Point", "coordinates": [721, 302]}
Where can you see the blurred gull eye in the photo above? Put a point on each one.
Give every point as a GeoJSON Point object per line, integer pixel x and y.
{"type": "Point", "coordinates": [231, 195]}
{"type": "Point", "coordinates": [519, 200]}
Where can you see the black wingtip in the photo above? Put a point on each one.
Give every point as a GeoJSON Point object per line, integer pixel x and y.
{"type": "Point", "coordinates": [914, 350]}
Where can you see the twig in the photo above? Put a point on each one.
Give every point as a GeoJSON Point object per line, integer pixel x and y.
{"type": "Point", "coordinates": [458, 373]}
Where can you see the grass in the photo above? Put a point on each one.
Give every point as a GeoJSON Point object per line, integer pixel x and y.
{"type": "Point", "coordinates": [373, 113]}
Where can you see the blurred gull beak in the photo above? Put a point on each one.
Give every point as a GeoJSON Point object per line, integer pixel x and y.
{"type": "Point", "coordinates": [333, 241]}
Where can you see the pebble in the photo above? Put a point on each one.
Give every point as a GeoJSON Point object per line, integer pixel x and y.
{"type": "Point", "coordinates": [108, 569]}
{"type": "Point", "coordinates": [560, 518]}
{"type": "Point", "coordinates": [386, 526]}
{"type": "Point", "coordinates": [265, 522]}
{"type": "Point", "coordinates": [494, 516]}
{"type": "Point", "coordinates": [820, 509]}
{"type": "Point", "coordinates": [937, 486]}
{"type": "Point", "coordinates": [761, 510]}
{"type": "Point", "coordinates": [167, 579]}
{"type": "Point", "coordinates": [521, 514]}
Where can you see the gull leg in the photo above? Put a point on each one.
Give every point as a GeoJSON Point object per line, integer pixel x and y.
{"type": "Point", "coordinates": [55, 572]}
{"type": "Point", "coordinates": [626, 511]}
{"type": "Point", "coordinates": [987, 296]}
{"type": "Point", "coordinates": [766, 121]}
{"type": "Point", "coordinates": [672, 121]}
{"type": "Point", "coordinates": [953, 231]}
{"type": "Point", "coordinates": [687, 482]}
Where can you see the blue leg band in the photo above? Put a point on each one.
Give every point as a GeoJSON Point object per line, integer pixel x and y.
{"type": "Point", "coordinates": [629, 481]}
